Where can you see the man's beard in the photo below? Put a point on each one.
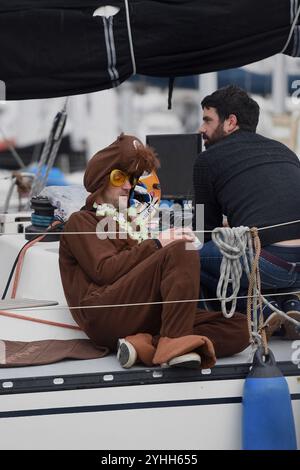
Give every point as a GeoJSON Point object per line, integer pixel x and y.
{"type": "Point", "coordinates": [218, 135]}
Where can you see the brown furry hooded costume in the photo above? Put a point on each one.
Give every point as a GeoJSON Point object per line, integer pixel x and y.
{"type": "Point", "coordinates": [128, 154]}
{"type": "Point", "coordinates": [115, 272]}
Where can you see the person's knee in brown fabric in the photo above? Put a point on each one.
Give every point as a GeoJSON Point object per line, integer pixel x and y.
{"type": "Point", "coordinates": [235, 336]}
{"type": "Point", "coordinates": [228, 335]}
{"type": "Point", "coordinates": [240, 330]}
{"type": "Point", "coordinates": [180, 255]}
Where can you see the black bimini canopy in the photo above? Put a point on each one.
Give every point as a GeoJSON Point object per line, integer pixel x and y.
{"type": "Point", "coordinates": [57, 47]}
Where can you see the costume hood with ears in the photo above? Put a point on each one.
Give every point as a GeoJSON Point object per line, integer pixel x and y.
{"type": "Point", "coordinates": [128, 154]}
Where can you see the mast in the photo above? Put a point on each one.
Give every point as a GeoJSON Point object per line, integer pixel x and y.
{"type": "Point", "coordinates": [279, 84]}
{"type": "Point", "coordinates": [208, 83]}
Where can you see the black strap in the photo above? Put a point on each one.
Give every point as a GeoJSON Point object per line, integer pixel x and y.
{"type": "Point", "coordinates": [171, 88]}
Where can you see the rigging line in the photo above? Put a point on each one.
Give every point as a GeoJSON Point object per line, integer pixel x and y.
{"type": "Point", "coordinates": [36, 152]}
{"type": "Point", "coordinates": [113, 233]}
{"type": "Point", "coordinates": [35, 238]}
{"type": "Point", "coordinates": [65, 105]}
{"type": "Point", "coordinates": [18, 267]}
{"type": "Point", "coordinates": [279, 225]}
{"type": "Point", "coordinates": [139, 304]}
{"type": "Point", "coordinates": [39, 320]}
{"type": "Point", "coordinates": [50, 150]}
{"type": "Point", "coordinates": [291, 31]}
{"type": "Point", "coordinates": [56, 142]}
{"type": "Point", "coordinates": [13, 150]}
{"type": "Point", "coordinates": [12, 271]}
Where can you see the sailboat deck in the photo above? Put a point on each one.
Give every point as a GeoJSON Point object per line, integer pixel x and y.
{"type": "Point", "coordinates": [106, 372]}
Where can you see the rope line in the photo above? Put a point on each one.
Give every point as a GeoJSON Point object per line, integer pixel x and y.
{"type": "Point", "coordinates": [139, 304]}
{"type": "Point", "coordinates": [114, 233]}
{"type": "Point", "coordinates": [254, 317]}
{"type": "Point", "coordinates": [232, 244]}
{"type": "Point", "coordinates": [291, 31]}
{"type": "Point", "coordinates": [38, 320]}
{"type": "Point", "coordinates": [254, 335]}
{"type": "Point", "coordinates": [20, 265]}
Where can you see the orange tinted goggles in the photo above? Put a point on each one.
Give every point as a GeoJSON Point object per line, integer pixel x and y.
{"type": "Point", "coordinates": [118, 178]}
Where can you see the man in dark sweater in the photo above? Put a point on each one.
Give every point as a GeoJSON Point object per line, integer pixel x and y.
{"type": "Point", "coordinates": [254, 182]}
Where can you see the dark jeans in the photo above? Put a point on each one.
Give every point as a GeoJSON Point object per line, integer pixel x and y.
{"type": "Point", "coordinates": [273, 278]}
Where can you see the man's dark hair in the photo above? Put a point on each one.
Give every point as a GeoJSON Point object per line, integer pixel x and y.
{"type": "Point", "coordinates": [234, 100]}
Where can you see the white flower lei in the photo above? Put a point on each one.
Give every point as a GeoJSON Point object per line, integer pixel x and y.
{"type": "Point", "coordinates": [103, 210]}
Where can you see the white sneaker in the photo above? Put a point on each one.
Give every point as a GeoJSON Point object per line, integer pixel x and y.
{"type": "Point", "coordinates": [126, 354]}
{"type": "Point", "coordinates": [190, 361]}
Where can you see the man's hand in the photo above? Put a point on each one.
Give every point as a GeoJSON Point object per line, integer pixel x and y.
{"type": "Point", "coordinates": [176, 234]}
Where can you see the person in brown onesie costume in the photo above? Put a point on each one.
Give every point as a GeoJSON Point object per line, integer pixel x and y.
{"type": "Point", "coordinates": [157, 275]}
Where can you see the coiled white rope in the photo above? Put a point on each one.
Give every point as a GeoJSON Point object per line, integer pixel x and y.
{"type": "Point", "coordinates": [236, 243]}
{"type": "Point", "coordinates": [232, 243]}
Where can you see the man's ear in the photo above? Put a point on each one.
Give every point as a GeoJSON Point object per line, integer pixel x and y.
{"type": "Point", "coordinates": [231, 123]}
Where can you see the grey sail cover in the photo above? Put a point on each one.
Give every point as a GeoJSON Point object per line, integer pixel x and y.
{"type": "Point", "coordinates": [54, 48]}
